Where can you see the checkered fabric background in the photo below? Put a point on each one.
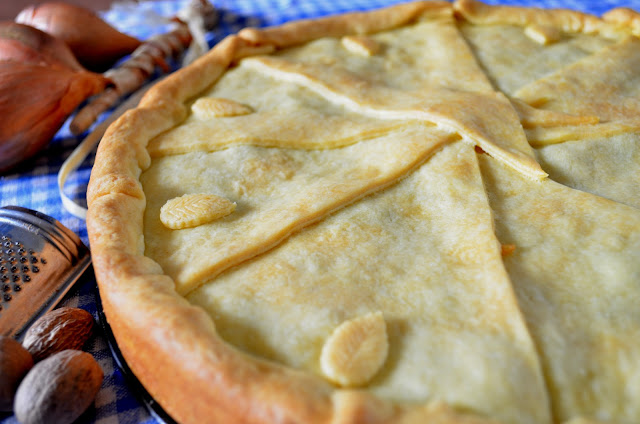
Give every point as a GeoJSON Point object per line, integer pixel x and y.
{"type": "Point", "coordinates": [34, 184]}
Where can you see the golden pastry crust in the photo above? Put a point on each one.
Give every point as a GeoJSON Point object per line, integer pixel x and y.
{"type": "Point", "coordinates": [358, 23]}
{"type": "Point", "coordinates": [242, 389]}
{"type": "Point", "coordinates": [624, 17]}
{"type": "Point", "coordinates": [565, 20]}
{"type": "Point", "coordinates": [158, 330]}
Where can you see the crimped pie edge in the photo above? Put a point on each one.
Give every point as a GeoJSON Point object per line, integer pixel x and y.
{"type": "Point", "coordinates": [172, 346]}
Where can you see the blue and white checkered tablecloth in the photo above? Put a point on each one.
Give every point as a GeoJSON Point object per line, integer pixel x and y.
{"type": "Point", "coordinates": [34, 184]}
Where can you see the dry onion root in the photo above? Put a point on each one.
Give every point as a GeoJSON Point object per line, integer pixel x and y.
{"type": "Point", "coordinates": [132, 73]}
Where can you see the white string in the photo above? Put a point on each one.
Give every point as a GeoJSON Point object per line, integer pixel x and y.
{"type": "Point", "coordinates": [81, 152]}
{"type": "Point", "coordinates": [199, 19]}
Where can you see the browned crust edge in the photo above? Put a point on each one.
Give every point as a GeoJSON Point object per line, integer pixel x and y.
{"type": "Point", "coordinates": [356, 23]}
{"type": "Point", "coordinates": [566, 20]}
{"type": "Point", "coordinates": [624, 17]}
{"type": "Point", "coordinates": [171, 345]}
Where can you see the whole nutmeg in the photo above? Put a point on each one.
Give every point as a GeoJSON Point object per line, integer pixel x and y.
{"type": "Point", "coordinates": [58, 389]}
{"type": "Point", "coordinates": [15, 362]}
{"type": "Point", "coordinates": [58, 330]}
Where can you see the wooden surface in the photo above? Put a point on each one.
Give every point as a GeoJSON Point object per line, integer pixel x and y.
{"type": "Point", "coordinates": [10, 8]}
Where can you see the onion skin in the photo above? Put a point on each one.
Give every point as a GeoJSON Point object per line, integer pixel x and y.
{"type": "Point", "coordinates": [95, 43]}
{"type": "Point", "coordinates": [35, 101]}
{"type": "Point", "coordinates": [27, 44]}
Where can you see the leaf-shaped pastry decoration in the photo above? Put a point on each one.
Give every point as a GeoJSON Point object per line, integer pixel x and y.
{"type": "Point", "coordinates": [192, 210]}
{"type": "Point", "coordinates": [207, 107]}
{"type": "Point", "coordinates": [364, 46]}
{"type": "Point", "coordinates": [543, 34]}
{"type": "Point", "coordinates": [356, 350]}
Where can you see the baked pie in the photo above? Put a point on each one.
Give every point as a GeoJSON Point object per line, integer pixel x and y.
{"type": "Point", "coordinates": [424, 213]}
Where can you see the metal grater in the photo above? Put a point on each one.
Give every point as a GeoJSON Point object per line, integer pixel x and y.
{"type": "Point", "coordinates": [40, 259]}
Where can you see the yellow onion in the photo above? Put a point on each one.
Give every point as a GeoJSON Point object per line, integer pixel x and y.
{"type": "Point", "coordinates": [35, 100]}
{"type": "Point", "coordinates": [96, 44]}
{"type": "Point", "coordinates": [27, 44]}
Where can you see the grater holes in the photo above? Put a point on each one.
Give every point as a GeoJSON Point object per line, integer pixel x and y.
{"type": "Point", "coordinates": [17, 263]}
